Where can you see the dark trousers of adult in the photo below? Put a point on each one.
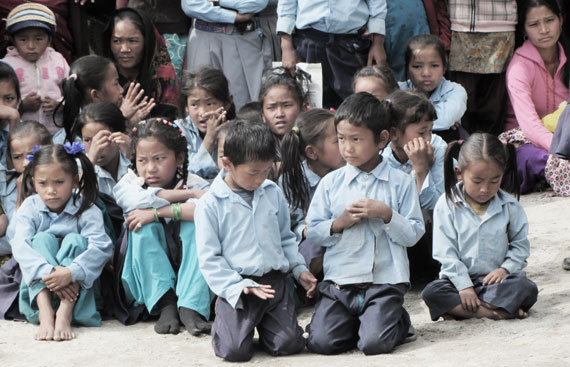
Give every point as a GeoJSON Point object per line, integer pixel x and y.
{"type": "Point", "coordinates": [372, 318]}
{"type": "Point", "coordinates": [275, 320]}
{"type": "Point", "coordinates": [486, 101]}
{"type": "Point", "coordinates": [423, 268]}
{"type": "Point", "coordinates": [341, 56]}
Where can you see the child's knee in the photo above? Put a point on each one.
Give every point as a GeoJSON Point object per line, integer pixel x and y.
{"type": "Point", "coordinates": [43, 241]}
{"type": "Point", "coordinates": [291, 343]}
{"type": "Point", "coordinates": [232, 351]}
{"type": "Point", "coordinates": [76, 241]}
{"type": "Point", "coordinates": [376, 344]}
{"type": "Point", "coordinates": [322, 343]}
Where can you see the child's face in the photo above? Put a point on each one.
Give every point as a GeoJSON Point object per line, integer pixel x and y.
{"type": "Point", "coordinates": [31, 43]}
{"type": "Point", "coordinates": [372, 85]}
{"type": "Point", "coordinates": [481, 181]}
{"type": "Point", "coordinates": [96, 135]}
{"type": "Point", "coordinates": [220, 151]}
{"type": "Point", "coordinates": [198, 103]}
{"type": "Point", "coordinates": [327, 152]}
{"type": "Point", "coordinates": [111, 90]}
{"type": "Point", "coordinates": [8, 96]}
{"type": "Point", "coordinates": [246, 176]}
{"type": "Point", "coordinates": [20, 148]}
{"type": "Point", "coordinates": [426, 69]}
{"type": "Point", "coordinates": [157, 163]}
{"type": "Point", "coordinates": [413, 131]}
{"type": "Point", "coordinates": [358, 147]}
{"type": "Point", "coordinates": [127, 45]}
{"type": "Point", "coordinates": [280, 109]}
{"type": "Point", "coordinates": [54, 185]}
{"type": "Point", "coordinates": [542, 27]}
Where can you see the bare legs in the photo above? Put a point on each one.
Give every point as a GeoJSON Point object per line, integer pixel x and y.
{"type": "Point", "coordinates": [54, 325]}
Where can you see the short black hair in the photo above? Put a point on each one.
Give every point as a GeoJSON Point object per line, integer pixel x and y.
{"type": "Point", "coordinates": [248, 141]}
{"type": "Point", "coordinates": [363, 109]}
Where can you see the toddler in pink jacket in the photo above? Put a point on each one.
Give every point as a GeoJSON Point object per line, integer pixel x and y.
{"type": "Point", "coordinates": [40, 69]}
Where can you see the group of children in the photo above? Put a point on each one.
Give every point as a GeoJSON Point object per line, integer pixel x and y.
{"type": "Point", "coordinates": [230, 203]}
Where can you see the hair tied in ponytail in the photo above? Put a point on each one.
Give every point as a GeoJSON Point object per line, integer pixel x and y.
{"type": "Point", "coordinates": [72, 77]}
{"type": "Point", "coordinates": [460, 142]}
{"type": "Point", "coordinates": [295, 129]}
{"type": "Point", "coordinates": [74, 148]}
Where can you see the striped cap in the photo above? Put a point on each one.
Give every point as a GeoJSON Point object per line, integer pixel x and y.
{"type": "Point", "coordinates": [30, 15]}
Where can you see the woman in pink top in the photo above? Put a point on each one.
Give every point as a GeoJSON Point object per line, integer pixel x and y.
{"type": "Point", "coordinates": [537, 82]}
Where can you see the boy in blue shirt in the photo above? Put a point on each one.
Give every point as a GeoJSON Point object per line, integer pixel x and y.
{"type": "Point", "coordinates": [366, 214]}
{"type": "Point", "coordinates": [246, 247]}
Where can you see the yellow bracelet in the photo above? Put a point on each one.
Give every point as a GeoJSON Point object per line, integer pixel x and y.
{"type": "Point", "coordinates": [155, 213]}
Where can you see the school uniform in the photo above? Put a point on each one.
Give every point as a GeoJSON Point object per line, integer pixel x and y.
{"type": "Point", "coordinates": [328, 32]}
{"type": "Point", "coordinates": [156, 262]}
{"type": "Point", "coordinates": [240, 245]}
{"type": "Point", "coordinates": [366, 268]}
{"type": "Point", "coordinates": [450, 102]}
{"type": "Point", "coordinates": [200, 162]}
{"type": "Point", "coordinates": [238, 49]}
{"type": "Point", "coordinates": [106, 181]}
{"type": "Point", "coordinates": [45, 239]}
{"type": "Point", "coordinates": [469, 248]}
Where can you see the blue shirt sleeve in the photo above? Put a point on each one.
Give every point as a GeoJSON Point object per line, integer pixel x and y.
{"type": "Point", "coordinates": [377, 21]}
{"type": "Point", "coordinates": [320, 217]}
{"type": "Point", "coordinates": [519, 245]}
{"type": "Point", "coordinates": [131, 196]}
{"type": "Point", "coordinates": [450, 105]}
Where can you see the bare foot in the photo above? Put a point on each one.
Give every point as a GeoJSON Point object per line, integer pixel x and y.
{"type": "Point", "coordinates": [521, 314]}
{"type": "Point", "coordinates": [493, 313]}
{"type": "Point", "coordinates": [63, 319]}
{"type": "Point", "coordinates": [47, 325]}
{"type": "Point", "coordinates": [46, 330]}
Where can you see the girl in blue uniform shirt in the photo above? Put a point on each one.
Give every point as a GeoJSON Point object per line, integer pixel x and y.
{"type": "Point", "coordinates": [426, 62]}
{"type": "Point", "coordinates": [308, 152]}
{"type": "Point", "coordinates": [205, 98]}
{"type": "Point", "coordinates": [60, 242]}
{"type": "Point", "coordinates": [160, 270]}
{"type": "Point", "coordinates": [480, 236]}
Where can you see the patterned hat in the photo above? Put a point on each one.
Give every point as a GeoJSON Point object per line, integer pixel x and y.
{"type": "Point", "coordinates": [30, 15]}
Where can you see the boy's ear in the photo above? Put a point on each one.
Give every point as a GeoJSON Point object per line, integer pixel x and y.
{"type": "Point", "coordinates": [311, 153]}
{"type": "Point", "coordinates": [384, 139]}
{"type": "Point", "coordinates": [227, 164]}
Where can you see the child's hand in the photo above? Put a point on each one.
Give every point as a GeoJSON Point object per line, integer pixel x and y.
{"type": "Point", "coordinates": [214, 120]}
{"type": "Point", "coordinates": [59, 277]}
{"type": "Point", "coordinates": [48, 105]}
{"type": "Point", "coordinates": [8, 115]}
{"type": "Point", "coordinates": [3, 224]}
{"type": "Point", "coordinates": [32, 102]}
{"type": "Point", "coordinates": [123, 141]}
{"type": "Point", "coordinates": [144, 111]}
{"type": "Point", "coordinates": [469, 300]}
{"type": "Point", "coordinates": [309, 282]}
{"type": "Point", "coordinates": [99, 143]}
{"type": "Point", "coordinates": [370, 208]}
{"type": "Point", "coordinates": [132, 100]}
{"type": "Point", "coordinates": [420, 153]}
{"type": "Point", "coordinates": [264, 291]}
{"type": "Point", "coordinates": [70, 292]}
{"type": "Point", "coordinates": [495, 277]}
{"type": "Point", "coordinates": [346, 220]}
{"type": "Point", "coordinates": [138, 218]}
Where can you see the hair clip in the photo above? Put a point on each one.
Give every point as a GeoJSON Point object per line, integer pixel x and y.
{"type": "Point", "coordinates": [74, 148]}
{"type": "Point", "coordinates": [30, 157]}
{"type": "Point", "coordinates": [295, 129]}
{"type": "Point", "coordinates": [332, 110]}
{"type": "Point", "coordinates": [72, 77]}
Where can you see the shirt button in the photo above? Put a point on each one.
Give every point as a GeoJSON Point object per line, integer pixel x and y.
{"type": "Point", "coordinates": [366, 177]}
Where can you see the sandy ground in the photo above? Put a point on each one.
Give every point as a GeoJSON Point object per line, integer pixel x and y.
{"type": "Point", "coordinates": [540, 340]}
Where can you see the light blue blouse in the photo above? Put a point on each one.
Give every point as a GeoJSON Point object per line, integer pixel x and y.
{"type": "Point", "coordinates": [200, 162]}
{"type": "Point", "coordinates": [370, 250]}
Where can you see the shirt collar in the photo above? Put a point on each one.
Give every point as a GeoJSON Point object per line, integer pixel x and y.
{"type": "Point", "coordinates": [311, 176]}
{"type": "Point", "coordinates": [220, 188]}
{"type": "Point", "coordinates": [497, 202]}
{"type": "Point", "coordinates": [70, 207]}
{"type": "Point", "coordinates": [380, 171]}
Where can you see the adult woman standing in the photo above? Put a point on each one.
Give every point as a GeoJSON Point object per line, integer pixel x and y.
{"type": "Point", "coordinates": [537, 82]}
{"type": "Point", "coordinates": [141, 56]}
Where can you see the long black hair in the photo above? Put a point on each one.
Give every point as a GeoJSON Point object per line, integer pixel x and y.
{"type": "Point", "coordinates": [480, 146]}
{"type": "Point", "coordinates": [87, 73]}
{"type": "Point", "coordinates": [310, 129]}
{"type": "Point", "coordinates": [106, 113]}
{"type": "Point", "coordinates": [168, 134]}
{"type": "Point", "coordinates": [87, 186]}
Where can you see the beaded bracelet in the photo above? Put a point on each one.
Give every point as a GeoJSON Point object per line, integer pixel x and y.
{"type": "Point", "coordinates": [155, 213]}
{"type": "Point", "coordinates": [176, 211]}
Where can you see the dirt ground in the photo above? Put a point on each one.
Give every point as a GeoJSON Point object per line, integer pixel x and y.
{"type": "Point", "coordinates": [540, 340]}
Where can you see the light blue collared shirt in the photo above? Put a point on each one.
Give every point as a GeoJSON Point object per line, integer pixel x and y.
{"type": "Point", "coordinates": [4, 144]}
{"type": "Point", "coordinates": [449, 100]}
{"type": "Point", "coordinates": [200, 162]}
{"type": "Point", "coordinates": [370, 250]}
{"type": "Point", "coordinates": [332, 16]}
{"type": "Point", "coordinates": [105, 179]}
{"type": "Point", "coordinates": [34, 217]}
{"type": "Point", "coordinates": [225, 13]}
{"type": "Point", "coordinates": [469, 247]}
{"type": "Point", "coordinates": [432, 187]}
{"type": "Point", "coordinates": [131, 195]}
{"type": "Point", "coordinates": [8, 192]}
{"type": "Point", "coordinates": [234, 238]}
